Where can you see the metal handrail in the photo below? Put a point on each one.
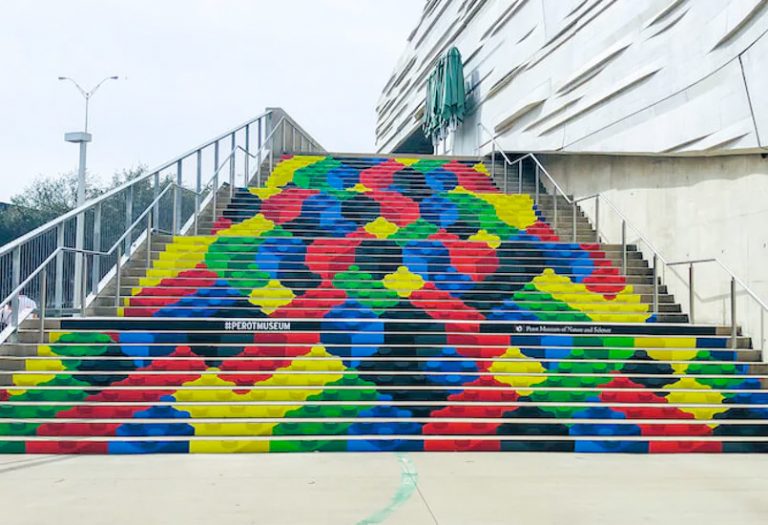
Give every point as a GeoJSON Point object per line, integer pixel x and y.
{"type": "Point", "coordinates": [657, 256]}
{"type": "Point", "coordinates": [101, 253]}
{"type": "Point", "coordinates": [539, 166]}
{"type": "Point", "coordinates": [624, 218]}
{"type": "Point", "coordinates": [734, 281]}
{"type": "Point", "coordinates": [262, 150]}
{"type": "Point", "coordinates": [23, 255]}
{"type": "Point", "coordinates": [722, 265]}
{"type": "Point", "coordinates": [103, 197]}
{"type": "Point", "coordinates": [551, 179]}
{"type": "Point", "coordinates": [269, 139]}
{"type": "Point", "coordinates": [151, 210]}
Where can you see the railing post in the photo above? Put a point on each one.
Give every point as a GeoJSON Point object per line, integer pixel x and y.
{"type": "Point", "coordinates": [58, 288]}
{"type": "Point", "coordinates": [117, 278]}
{"type": "Point", "coordinates": [215, 179]}
{"type": "Point", "coordinates": [493, 161]}
{"type": "Point", "coordinates": [624, 247]}
{"type": "Point", "coordinates": [215, 197]}
{"type": "Point", "coordinates": [128, 217]}
{"type": "Point", "coordinates": [78, 256]}
{"type": "Point", "coordinates": [177, 199]}
{"type": "Point", "coordinates": [43, 301]}
{"type": "Point", "coordinates": [258, 155]}
{"type": "Point", "coordinates": [174, 217]}
{"type": "Point", "coordinates": [216, 156]}
{"type": "Point", "coordinates": [573, 211]}
{"type": "Point", "coordinates": [284, 141]}
{"type": "Point", "coordinates": [506, 182]}
{"type": "Point", "coordinates": [246, 167]}
{"type": "Point", "coordinates": [149, 241]}
{"type": "Point", "coordinates": [198, 186]}
{"type": "Point", "coordinates": [655, 283]}
{"type": "Point", "coordinates": [271, 150]}
{"type": "Point", "coordinates": [519, 176]}
{"type": "Point", "coordinates": [232, 157]}
{"type": "Point", "coordinates": [15, 282]}
{"type": "Point", "coordinates": [536, 171]}
{"type": "Point", "coordinates": [84, 290]}
{"type": "Point", "coordinates": [691, 294]}
{"type": "Point", "coordinates": [554, 209]}
{"type": "Point", "coordinates": [96, 264]}
{"type": "Point", "coordinates": [156, 193]}
{"type": "Point", "coordinates": [597, 219]}
{"type": "Point", "coordinates": [734, 329]}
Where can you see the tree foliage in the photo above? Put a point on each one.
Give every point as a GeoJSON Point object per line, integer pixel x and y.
{"type": "Point", "coordinates": [49, 197]}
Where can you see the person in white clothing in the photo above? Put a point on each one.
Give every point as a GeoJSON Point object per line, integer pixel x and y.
{"type": "Point", "coordinates": [5, 316]}
{"type": "Point", "coordinates": [26, 306]}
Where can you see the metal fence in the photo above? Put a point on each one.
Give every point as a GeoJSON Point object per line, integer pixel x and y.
{"type": "Point", "coordinates": [65, 263]}
{"type": "Point", "coordinates": [729, 302]}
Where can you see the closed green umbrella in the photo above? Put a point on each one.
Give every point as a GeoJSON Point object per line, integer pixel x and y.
{"type": "Point", "coordinates": [445, 104]}
{"type": "Point", "coordinates": [434, 95]}
{"type": "Point", "coordinates": [453, 107]}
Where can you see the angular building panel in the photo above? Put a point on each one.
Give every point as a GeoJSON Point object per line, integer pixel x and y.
{"type": "Point", "coordinates": [591, 76]}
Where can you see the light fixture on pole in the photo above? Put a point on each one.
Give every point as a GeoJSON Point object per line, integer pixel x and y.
{"type": "Point", "coordinates": [82, 138]}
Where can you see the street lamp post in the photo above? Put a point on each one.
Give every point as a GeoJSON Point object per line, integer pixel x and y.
{"type": "Point", "coordinates": [82, 138]}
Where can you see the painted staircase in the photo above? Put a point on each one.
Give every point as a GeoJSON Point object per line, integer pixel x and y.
{"type": "Point", "coordinates": [369, 303]}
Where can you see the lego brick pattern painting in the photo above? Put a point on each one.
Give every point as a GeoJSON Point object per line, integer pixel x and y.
{"type": "Point", "coordinates": [366, 304]}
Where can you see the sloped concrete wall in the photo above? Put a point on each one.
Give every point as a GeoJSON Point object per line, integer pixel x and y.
{"type": "Point", "coordinates": [688, 208]}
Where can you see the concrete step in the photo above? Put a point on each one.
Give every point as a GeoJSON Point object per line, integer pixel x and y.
{"type": "Point", "coordinates": [644, 290]}
{"type": "Point", "coordinates": [719, 335]}
{"type": "Point", "coordinates": [634, 276]}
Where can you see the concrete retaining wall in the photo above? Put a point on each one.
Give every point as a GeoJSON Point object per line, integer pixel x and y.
{"type": "Point", "coordinates": [689, 208]}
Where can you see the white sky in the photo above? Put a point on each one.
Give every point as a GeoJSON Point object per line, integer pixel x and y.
{"type": "Point", "coordinates": [194, 68]}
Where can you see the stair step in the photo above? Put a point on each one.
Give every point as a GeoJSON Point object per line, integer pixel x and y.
{"type": "Point", "coordinates": [382, 366]}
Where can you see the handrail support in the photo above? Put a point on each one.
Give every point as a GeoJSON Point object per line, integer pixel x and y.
{"type": "Point", "coordinates": [554, 213]}
{"type": "Point", "coordinates": [734, 328]}
{"type": "Point", "coordinates": [573, 211]}
{"type": "Point", "coordinates": [691, 294]}
{"type": "Point", "coordinates": [493, 163]}
{"type": "Point", "coordinates": [624, 248]}
{"type": "Point", "coordinates": [655, 283]}
{"type": "Point", "coordinates": [43, 302]}
{"type": "Point", "coordinates": [117, 278]}
{"type": "Point", "coordinates": [597, 219]}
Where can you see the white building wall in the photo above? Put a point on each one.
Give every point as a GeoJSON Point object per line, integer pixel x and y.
{"type": "Point", "coordinates": [687, 208]}
{"type": "Point", "coordinates": [592, 84]}
{"type": "Point", "coordinates": [669, 77]}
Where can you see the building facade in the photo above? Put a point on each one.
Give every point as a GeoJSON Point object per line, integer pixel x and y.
{"type": "Point", "coordinates": [592, 76]}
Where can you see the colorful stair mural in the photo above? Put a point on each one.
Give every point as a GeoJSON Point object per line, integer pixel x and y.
{"type": "Point", "coordinates": [365, 304]}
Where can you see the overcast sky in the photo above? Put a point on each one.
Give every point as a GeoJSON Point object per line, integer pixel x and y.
{"type": "Point", "coordinates": [189, 69]}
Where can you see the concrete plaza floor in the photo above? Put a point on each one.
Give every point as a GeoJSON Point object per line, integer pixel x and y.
{"type": "Point", "coordinates": [409, 489]}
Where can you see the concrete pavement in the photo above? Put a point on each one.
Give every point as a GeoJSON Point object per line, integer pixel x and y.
{"type": "Point", "coordinates": [408, 489]}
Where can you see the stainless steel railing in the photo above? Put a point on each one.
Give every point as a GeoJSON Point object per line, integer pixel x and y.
{"type": "Point", "coordinates": [734, 283]}
{"type": "Point", "coordinates": [663, 270]}
{"type": "Point", "coordinates": [170, 197]}
{"type": "Point", "coordinates": [117, 250]}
